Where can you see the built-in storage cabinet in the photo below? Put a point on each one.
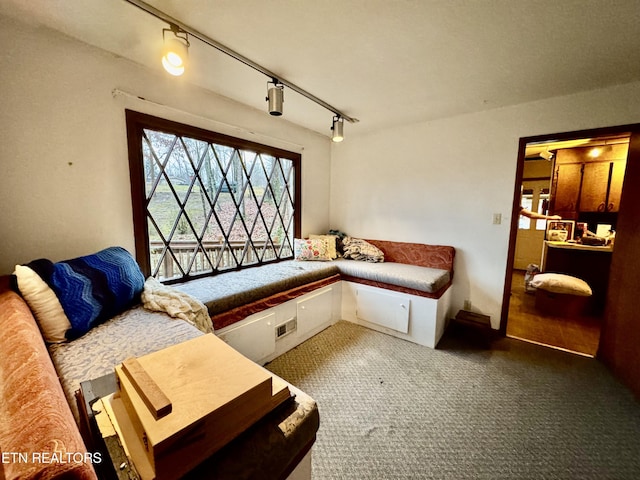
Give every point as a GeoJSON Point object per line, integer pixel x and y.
{"type": "Point", "coordinates": [566, 190]}
{"type": "Point", "coordinates": [314, 310]}
{"type": "Point", "coordinates": [387, 309]}
{"type": "Point", "coordinates": [263, 336]}
{"type": "Point", "coordinates": [418, 319]}
{"type": "Point", "coordinates": [583, 182]}
{"type": "Point", "coordinates": [595, 182]}
{"type": "Point", "coordinates": [615, 185]}
{"type": "Point", "coordinates": [254, 338]}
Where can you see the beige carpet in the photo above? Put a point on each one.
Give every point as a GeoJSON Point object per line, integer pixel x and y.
{"type": "Point", "coordinates": [393, 409]}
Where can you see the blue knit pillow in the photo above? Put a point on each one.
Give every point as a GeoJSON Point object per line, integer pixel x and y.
{"type": "Point", "coordinates": [93, 288]}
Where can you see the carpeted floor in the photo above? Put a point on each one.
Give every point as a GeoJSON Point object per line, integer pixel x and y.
{"type": "Point", "coordinates": [391, 409]}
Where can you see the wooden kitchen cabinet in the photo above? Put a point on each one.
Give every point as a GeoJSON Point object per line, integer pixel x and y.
{"type": "Point", "coordinates": [584, 184]}
{"type": "Point", "coordinates": [595, 182]}
{"type": "Point", "coordinates": [566, 189]}
{"type": "Point", "coordinates": [615, 188]}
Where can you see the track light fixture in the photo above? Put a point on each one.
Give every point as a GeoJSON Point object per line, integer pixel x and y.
{"type": "Point", "coordinates": [337, 129]}
{"type": "Point", "coordinates": [275, 97]}
{"type": "Point", "coordinates": [175, 57]}
{"type": "Point", "coordinates": [175, 51]}
{"type": "Point", "coordinates": [547, 155]}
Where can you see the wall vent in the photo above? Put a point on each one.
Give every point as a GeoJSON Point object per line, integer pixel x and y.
{"type": "Point", "coordinates": [286, 328]}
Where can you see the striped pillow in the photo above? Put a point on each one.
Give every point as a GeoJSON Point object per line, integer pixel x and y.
{"type": "Point", "coordinates": [93, 288]}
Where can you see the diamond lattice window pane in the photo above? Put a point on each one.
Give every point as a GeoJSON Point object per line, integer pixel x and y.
{"type": "Point", "coordinates": [212, 207]}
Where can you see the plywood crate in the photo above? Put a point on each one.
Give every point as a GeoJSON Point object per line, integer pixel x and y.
{"type": "Point", "coordinates": [215, 393]}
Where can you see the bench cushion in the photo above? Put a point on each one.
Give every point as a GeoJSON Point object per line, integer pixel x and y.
{"type": "Point", "coordinates": [414, 277]}
{"type": "Point", "coordinates": [432, 256]}
{"type": "Point", "coordinates": [224, 292]}
{"type": "Point", "coordinates": [133, 333]}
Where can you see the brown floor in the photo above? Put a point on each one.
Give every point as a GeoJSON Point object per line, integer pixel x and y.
{"type": "Point", "coordinates": [579, 334]}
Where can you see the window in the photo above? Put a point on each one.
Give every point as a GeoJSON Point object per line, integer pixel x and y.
{"type": "Point", "coordinates": [534, 201]}
{"type": "Point", "coordinates": [204, 202]}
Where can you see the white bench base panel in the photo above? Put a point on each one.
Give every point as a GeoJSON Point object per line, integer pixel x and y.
{"type": "Point", "coordinates": [255, 336]}
{"type": "Point", "coordinates": [417, 319]}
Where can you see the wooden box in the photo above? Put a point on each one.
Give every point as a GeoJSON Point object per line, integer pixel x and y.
{"type": "Point", "coordinates": [561, 304]}
{"type": "Point", "coordinates": [214, 394]}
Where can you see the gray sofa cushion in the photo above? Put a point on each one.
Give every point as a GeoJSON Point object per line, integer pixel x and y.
{"type": "Point", "coordinates": [133, 333]}
{"type": "Point", "coordinates": [424, 279]}
{"type": "Point", "coordinates": [233, 289]}
{"type": "Point", "coordinates": [269, 446]}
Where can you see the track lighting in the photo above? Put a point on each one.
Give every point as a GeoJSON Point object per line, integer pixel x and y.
{"type": "Point", "coordinates": [175, 51]}
{"type": "Point", "coordinates": [337, 129]}
{"type": "Point", "coordinates": [174, 59]}
{"type": "Point", "coordinates": [275, 97]}
{"type": "Point", "coordinates": [547, 155]}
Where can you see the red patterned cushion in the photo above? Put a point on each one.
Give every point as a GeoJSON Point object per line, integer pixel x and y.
{"type": "Point", "coordinates": [433, 256]}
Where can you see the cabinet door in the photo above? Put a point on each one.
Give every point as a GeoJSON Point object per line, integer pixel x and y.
{"type": "Point", "coordinates": [615, 189]}
{"type": "Point", "coordinates": [594, 187]}
{"type": "Point", "coordinates": [315, 311]}
{"type": "Point", "coordinates": [567, 188]}
{"type": "Point", "coordinates": [255, 339]}
{"type": "Point", "coordinates": [387, 309]}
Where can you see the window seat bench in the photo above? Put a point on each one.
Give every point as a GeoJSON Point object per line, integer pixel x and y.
{"type": "Point", "coordinates": [417, 275]}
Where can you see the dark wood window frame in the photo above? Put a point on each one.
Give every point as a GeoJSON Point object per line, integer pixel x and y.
{"type": "Point", "coordinates": [136, 124]}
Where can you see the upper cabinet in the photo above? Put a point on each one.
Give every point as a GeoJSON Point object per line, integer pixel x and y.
{"type": "Point", "coordinates": [584, 182]}
{"type": "Point", "coordinates": [565, 190]}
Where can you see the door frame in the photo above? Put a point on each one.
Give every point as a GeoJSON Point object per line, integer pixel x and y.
{"type": "Point", "coordinates": [515, 211]}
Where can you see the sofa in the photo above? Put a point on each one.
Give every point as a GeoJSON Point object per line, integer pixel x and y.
{"type": "Point", "coordinates": [40, 418]}
{"type": "Point", "coordinates": [36, 422]}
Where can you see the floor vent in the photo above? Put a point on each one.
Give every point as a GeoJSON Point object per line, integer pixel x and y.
{"type": "Point", "coordinates": [286, 328]}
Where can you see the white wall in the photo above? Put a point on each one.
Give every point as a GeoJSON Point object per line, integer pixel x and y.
{"type": "Point", "coordinates": [441, 182]}
{"type": "Point", "coordinates": [64, 181]}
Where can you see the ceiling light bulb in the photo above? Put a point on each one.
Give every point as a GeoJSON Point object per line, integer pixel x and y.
{"type": "Point", "coordinates": [337, 129]}
{"type": "Point", "coordinates": [595, 152]}
{"type": "Point", "coordinates": [174, 56]}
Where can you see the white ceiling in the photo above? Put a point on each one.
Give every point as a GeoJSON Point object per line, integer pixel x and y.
{"type": "Point", "coordinates": [385, 62]}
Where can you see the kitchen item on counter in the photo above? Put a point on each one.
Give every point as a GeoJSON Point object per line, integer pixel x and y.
{"type": "Point", "coordinates": [602, 230]}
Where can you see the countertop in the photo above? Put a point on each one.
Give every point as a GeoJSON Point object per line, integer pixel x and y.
{"type": "Point", "coordinates": [579, 246]}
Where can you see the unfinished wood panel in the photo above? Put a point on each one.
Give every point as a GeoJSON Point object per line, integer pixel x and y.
{"type": "Point", "coordinates": [154, 398]}
{"type": "Point", "coordinates": [216, 394]}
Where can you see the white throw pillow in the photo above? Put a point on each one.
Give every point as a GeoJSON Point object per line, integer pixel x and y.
{"type": "Point", "coordinates": [44, 304]}
{"type": "Point", "coordinates": [560, 283]}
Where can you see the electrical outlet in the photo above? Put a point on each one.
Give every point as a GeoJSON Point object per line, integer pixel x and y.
{"type": "Point", "coordinates": [497, 218]}
{"type": "Point", "coordinates": [467, 305]}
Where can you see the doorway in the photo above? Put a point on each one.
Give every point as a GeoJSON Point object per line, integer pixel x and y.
{"type": "Point", "coordinates": [537, 187]}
